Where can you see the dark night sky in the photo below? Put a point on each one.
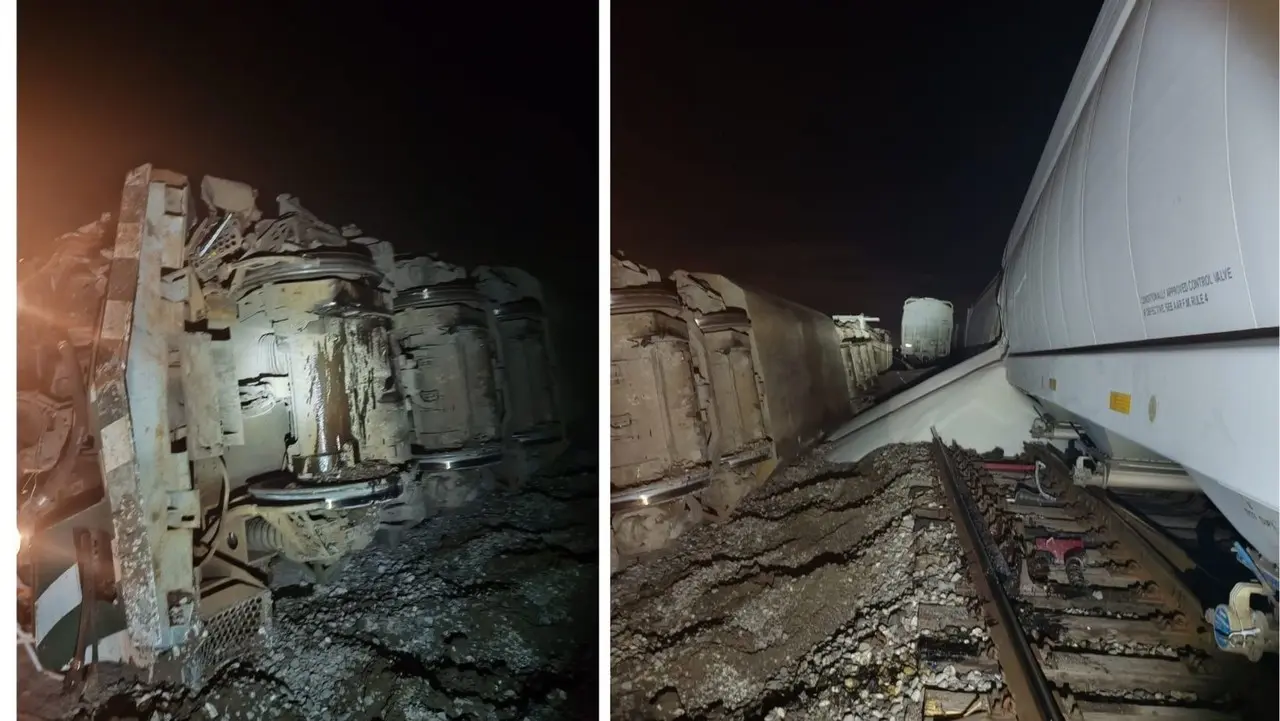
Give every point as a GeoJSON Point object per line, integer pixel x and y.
{"type": "Point", "coordinates": [470, 130]}
{"type": "Point", "coordinates": [842, 155]}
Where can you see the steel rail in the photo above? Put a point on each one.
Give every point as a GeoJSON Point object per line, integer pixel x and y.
{"type": "Point", "coordinates": [1032, 694]}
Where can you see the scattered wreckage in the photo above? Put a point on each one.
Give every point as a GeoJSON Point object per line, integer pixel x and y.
{"type": "Point", "coordinates": [205, 393]}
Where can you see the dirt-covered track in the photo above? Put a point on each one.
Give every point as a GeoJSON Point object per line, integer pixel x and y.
{"type": "Point", "coordinates": [846, 592]}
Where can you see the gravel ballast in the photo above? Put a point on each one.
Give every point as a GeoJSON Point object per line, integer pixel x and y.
{"type": "Point", "coordinates": [487, 613]}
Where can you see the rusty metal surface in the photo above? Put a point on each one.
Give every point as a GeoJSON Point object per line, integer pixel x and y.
{"type": "Point", "coordinates": [1022, 673]}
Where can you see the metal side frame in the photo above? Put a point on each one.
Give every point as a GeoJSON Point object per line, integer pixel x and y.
{"type": "Point", "coordinates": [148, 486]}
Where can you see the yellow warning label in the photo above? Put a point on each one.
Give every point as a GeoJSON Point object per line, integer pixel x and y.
{"type": "Point", "coordinates": [1053, 384]}
{"type": "Point", "coordinates": [1120, 402]}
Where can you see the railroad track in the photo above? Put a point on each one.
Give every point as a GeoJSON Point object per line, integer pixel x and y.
{"type": "Point", "coordinates": [1071, 613]}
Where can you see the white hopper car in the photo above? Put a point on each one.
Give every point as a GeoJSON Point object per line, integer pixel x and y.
{"type": "Point", "coordinates": [927, 325]}
{"type": "Point", "coordinates": [1139, 296]}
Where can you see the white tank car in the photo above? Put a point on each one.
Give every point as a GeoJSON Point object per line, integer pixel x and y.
{"type": "Point", "coordinates": [1139, 293]}
{"type": "Point", "coordinates": [926, 330]}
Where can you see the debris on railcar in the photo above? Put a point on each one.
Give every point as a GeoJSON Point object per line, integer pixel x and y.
{"type": "Point", "coordinates": [310, 392]}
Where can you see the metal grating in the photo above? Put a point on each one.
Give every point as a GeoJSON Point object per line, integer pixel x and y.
{"type": "Point", "coordinates": [233, 635]}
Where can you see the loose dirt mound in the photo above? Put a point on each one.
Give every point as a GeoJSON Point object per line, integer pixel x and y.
{"type": "Point", "coordinates": [727, 624]}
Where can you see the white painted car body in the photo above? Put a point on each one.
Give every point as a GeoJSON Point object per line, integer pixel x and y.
{"type": "Point", "coordinates": [1141, 284]}
{"type": "Point", "coordinates": [927, 325]}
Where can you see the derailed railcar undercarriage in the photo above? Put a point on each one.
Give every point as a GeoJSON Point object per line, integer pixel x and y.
{"type": "Point", "coordinates": [206, 394]}
{"type": "Point", "coordinates": [712, 386]}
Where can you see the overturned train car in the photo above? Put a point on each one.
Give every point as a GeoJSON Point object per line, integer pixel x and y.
{"type": "Point", "coordinates": [205, 394]}
{"type": "Point", "coordinates": [712, 384]}
{"type": "Point", "coordinates": [1135, 316]}
{"type": "Point", "coordinates": [866, 350]}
